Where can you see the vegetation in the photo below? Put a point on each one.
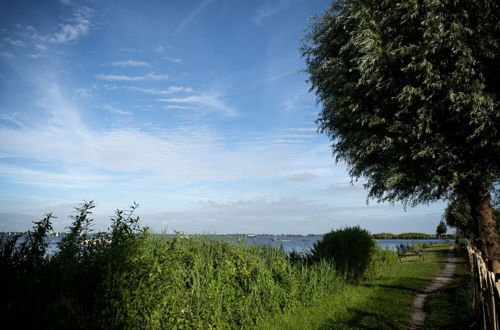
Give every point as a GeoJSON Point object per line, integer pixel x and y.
{"type": "Point", "coordinates": [349, 249]}
{"type": "Point", "coordinates": [381, 301]}
{"type": "Point", "coordinates": [129, 278]}
{"type": "Point", "coordinates": [457, 215]}
{"type": "Point", "coordinates": [410, 100]}
{"type": "Point", "coordinates": [441, 229]}
{"type": "Point", "coordinates": [406, 236]}
{"type": "Point", "coordinates": [452, 307]}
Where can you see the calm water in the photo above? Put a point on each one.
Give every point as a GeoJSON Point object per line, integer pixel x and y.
{"type": "Point", "coordinates": [289, 243]}
{"type": "Point", "coordinates": [301, 243]}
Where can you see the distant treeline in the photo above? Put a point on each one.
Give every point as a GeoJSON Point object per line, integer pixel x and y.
{"type": "Point", "coordinates": [409, 236]}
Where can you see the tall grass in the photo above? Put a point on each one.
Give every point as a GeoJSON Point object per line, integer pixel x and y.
{"type": "Point", "coordinates": [130, 278]}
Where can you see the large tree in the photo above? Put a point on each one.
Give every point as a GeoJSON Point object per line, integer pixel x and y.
{"type": "Point", "coordinates": [410, 99]}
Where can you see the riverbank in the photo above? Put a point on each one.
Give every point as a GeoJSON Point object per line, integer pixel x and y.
{"type": "Point", "coordinates": [380, 302]}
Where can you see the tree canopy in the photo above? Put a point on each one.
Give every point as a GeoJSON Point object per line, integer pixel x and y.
{"type": "Point", "coordinates": [410, 96]}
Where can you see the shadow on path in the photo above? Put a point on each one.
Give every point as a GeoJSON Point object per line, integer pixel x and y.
{"type": "Point", "coordinates": [419, 315]}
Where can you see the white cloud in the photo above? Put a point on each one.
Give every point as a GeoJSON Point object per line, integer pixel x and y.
{"type": "Point", "coordinates": [270, 215]}
{"type": "Point", "coordinates": [150, 76]}
{"type": "Point", "coordinates": [195, 12]}
{"type": "Point", "coordinates": [131, 63]}
{"type": "Point", "coordinates": [178, 107]}
{"type": "Point", "coordinates": [204, 102]}
{"type": "Point", "coordinates": [181, 154]}
{"type": "Point", "coordinates": [160, 49]}
{"type": "Point", "coordinates": [78, 26]}
{"type": "Point", "coordinates": [168, 90]}
{"type": "Point", "coordinates": [172, 59]}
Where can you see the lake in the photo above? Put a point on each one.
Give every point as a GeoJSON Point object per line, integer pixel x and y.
{"type": "Point", "coordinates": [289, 242]}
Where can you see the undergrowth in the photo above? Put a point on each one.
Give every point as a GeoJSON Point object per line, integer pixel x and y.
{"type": "Point", "coordinates": [130, 278]}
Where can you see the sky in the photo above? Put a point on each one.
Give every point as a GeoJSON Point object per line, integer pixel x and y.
{"type": "Point", "coordinates": [197, 110]}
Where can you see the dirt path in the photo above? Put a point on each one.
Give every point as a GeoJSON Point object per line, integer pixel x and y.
{"type": "Point", "coordinates": [419, 315]}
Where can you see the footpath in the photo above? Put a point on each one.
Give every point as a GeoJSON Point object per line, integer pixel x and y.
{"type": "Point", "coordinates": [446, 276]}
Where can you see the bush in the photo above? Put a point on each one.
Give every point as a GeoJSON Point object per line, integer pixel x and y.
{"type": "Point", "coordinates": [350, 249]}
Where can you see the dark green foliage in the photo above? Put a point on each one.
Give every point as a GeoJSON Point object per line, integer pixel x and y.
{"type": "Point", "coordinates": [350, 249]}
{"type": "Point", "coordinates": [409, 94]}
{"type": "Point", "coordinates": [441, 229]}
{"type": "Point", "coordinates": [129, 278]}
{"type": "Point", "coordinates": [458, 215]}
{"type": "Point", "coordinates": [402, 236]}
{"type": "Point", "coordinates": [23, 269]}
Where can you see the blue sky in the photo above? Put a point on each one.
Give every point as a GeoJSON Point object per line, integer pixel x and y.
{"type": "Point", "coordinates": [197, 110]}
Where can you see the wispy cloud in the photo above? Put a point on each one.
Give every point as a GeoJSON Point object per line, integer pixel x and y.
{"type": "Point", "coordinates": [51, 179]}
{"type": "Point", "coordinates": [303, 129]}
{"type": "Point", "coordinates": [173, 60]}
{"type": "Point", "coordinates": [11, 118]}
{"type": "Point", "coordinates": [78, 25]}
{"type": "Point", "coordinates": [6, 54]}
{"type": "Point", "coordinates": [168, 90]}
{"type": "Point", "coordinates": [84, 92]}
{"type": "Point", "coordinates": [204, 102]}
{"type": "Point", "coordinates": [16, 43]}
{"type": "Point", "coordinates": [265, 11]}
{"type": "Point", "coordinates": [195, 12]}
{"type": "Point", "coordinates": [293, 102]}
{"type": "Point", "coordinates": [131, 63]}
{"type": "Point", "coordinates": [150, 76]}
{"type": "Point", "coordinates": [116, 111]}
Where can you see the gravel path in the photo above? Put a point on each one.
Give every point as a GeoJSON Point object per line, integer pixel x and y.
{"type": "Point", "coordinates": [419, 315]}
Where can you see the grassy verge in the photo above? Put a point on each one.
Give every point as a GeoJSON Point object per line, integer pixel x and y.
{"type": "Point", "coordinates": [380, 302]}
{"type": "Point", "coordinates": [452, 306]}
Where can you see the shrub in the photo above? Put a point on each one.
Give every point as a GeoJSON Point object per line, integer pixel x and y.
{"type": "Point", "coordinates": [350, 249]}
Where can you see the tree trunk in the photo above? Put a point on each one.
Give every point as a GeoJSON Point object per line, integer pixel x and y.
{"type": "Point", "coordinates": [487, 239]}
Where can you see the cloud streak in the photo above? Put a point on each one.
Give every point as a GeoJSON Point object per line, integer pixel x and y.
{"type": "Point", "coordinates": [148, 77]}
{"type": "Point", "coordinates": [195, 12]}
{"type": "Point", "coordinates": [205, 102]}
{"type": "Point", "coordinates": [265, 11]}
{"type": "Point", "coordinates": [168, 90]}
{"type": "Point", "coordinates": [78, 26]}
{"type": "Point", "coordinates": [131, 63]}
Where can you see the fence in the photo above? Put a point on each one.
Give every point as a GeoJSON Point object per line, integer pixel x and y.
{"type": "Point", "coordinates": [487, 291]}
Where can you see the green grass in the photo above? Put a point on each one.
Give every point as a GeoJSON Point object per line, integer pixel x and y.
{"type": "Point", "coordinates": [452, 307]}
{"type": "Point", "coordinates": [380, 302]}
